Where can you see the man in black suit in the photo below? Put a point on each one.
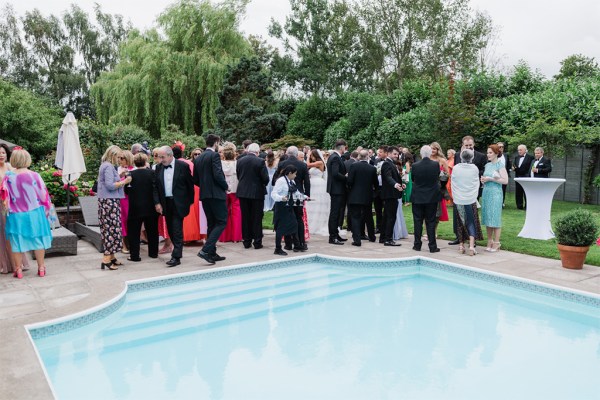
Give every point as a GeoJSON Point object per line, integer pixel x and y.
{"type": "Point", "coordinates": [505, 159]}
{"type": "Point", "coordinates": [377, 202]}
{"type": "Point", "coordinates": [479, 159]}
{"type": "Point", "coordinates": [336, 187]}
{"type": "Point", "coordinates": [541, 166]}
{"type": "Point", "coordinates": [176, 194]}
{"type": "Point", "coordinates": [347, 163]}
{"type": "Point", "coordinates": [362, 181]}
{"type": "Point", "coordinates": [522, 168]}
{"type": "Point", "coordinates": [253, 178]}
{"type": "Point", "coordinates": [143, 202]}
{"type": "Point", "coordinates": [303, 185]}
{"type": "Point", "coordinates": [209, 177]}
{"type": "Point", "coordinates": [391, 191]}
{"type": "Point", "coordinates": [425, 198]}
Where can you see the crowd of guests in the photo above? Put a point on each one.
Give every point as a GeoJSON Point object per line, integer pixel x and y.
{"type": "Point", "coordinates": [220, 194]}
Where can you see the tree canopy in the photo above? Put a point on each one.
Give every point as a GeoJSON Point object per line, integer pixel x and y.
{"type": "Point", "coordinates": [175, 78]}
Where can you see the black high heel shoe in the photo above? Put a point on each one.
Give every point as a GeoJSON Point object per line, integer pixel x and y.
{"type": "Point", "coordinates": [114, 261]}
{"type": "Point", "coordinates": [110, 266]}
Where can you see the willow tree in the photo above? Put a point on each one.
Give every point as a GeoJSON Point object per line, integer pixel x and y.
{"type": "Point", "coordinates": [174, 78]}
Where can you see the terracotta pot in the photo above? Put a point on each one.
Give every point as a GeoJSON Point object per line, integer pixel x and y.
{"type": "Point", "coordinates": [572, 257]}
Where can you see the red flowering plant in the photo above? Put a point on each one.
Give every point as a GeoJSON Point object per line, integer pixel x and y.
{"type": "Point", "coordinates": [58, 190]}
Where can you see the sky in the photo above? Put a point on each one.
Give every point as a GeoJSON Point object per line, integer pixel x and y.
{"type": "Point", "coordinates": [541, 32]}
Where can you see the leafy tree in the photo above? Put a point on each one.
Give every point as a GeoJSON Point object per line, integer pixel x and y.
{"type": "Point", "coordinates": [323, 40]}
{"type": "Point", "coordinates": [176, 79]}
{"type": "Point", "coordinates": [247, 109]}
{"type": "Point", "coordinates": [59, 58]}
{"type": "Point", "coordinates": [28, 120]}
{"type": "Point", "coordinates": [578, 66]}
{"type": "Point", "coordinates": [312, 117]}
{"type": "Point", "coordinates": [289, 140]}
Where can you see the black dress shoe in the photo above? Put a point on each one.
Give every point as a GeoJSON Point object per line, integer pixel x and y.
{"type": "Point", "coordinates": [153, 255]}
{"type": "Point", "coordinates": [217, 257]}
{"type": "Point", "coordinates": [298, 249]}
{"type": "Point", "coordinates": [305, 247]}
{"type": "Point", "coordinates": [247, 245]}
{"type": "Point", "coordinates": [207, 257]}
{"type": "Point", "coordinates": [436, 250]}
{"type": "Point", "coordinates": [364, 237]}
{"type": "Point", "coordinates": [416, 248]}
{"type": "Point", "coordinates": [258, 246]}
{"type": "Point", "coordinates": [134, 259]}
{"type": "Point", "coordinates": [287, 247]}
{"type": "Point", "coordinates": [173, 262]}
{"type": "Point", "coordinates": [341, 239]}
{"type": "Point", "coordinates": [356, 244]}
{"type": "Point", "coordinates": [373, 239]}
{"type": "Point", "coordinates": [280, 252]}
{"type": "Point", "coordinates": [335, 241]}
{"type": "Point", "coordinates": [391, 243]}
{"type": "Point", "coordinates": [455, 241]}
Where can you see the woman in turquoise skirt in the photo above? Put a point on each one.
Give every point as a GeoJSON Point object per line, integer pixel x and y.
{"type": "Point", "coordinates": [406, 178]}
{"type": "Point", "coordinates": [494, 176]}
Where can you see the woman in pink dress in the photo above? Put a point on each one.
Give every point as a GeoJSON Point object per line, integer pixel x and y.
{"type": "Point", "coordinates": [233, 230]}
{"type": "Point", "coordinates": [125, 166]}
{"type": "Point", "coordinates": [27, 201]}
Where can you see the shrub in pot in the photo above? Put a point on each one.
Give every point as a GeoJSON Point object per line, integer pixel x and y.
{"type": "Point", "coordinates": [575, 231]}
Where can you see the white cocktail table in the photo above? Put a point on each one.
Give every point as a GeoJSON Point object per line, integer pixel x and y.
{"type": "Point", "coordinates": [539, 192]}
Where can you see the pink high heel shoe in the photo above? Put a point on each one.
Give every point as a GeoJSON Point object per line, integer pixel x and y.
{"type": "Point", "coordinates": [42, 272]}
{"type": "Point", "coordinates": [18, 274]}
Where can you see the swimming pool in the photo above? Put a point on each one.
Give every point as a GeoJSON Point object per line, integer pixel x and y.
{"type": "Point", "coordinates": [329, 328]}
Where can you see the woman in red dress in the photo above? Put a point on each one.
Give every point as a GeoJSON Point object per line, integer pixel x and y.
{"type": "Point", "coordinates": [233, 230]}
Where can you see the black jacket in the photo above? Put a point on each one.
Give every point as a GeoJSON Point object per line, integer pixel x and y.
{"type": "Point", "coordinates": [142, 193]}
{"type": "Point", "coordinates": [209, 176]}
{"type": "Point", "coordinates": [362, 181]}
{"type": "Point", "coordinates": [253, 177]}
{"type": "Point", "coordinates": [302, 179]}
{"type": "Point", "coordinates": [524, 171]}
{"type": "Point", "coordinates": [389, 178]}
{"type": "Point", "coordinates": [336, 175]}
{"type": "Point", "coordinates": [183, 187]}
{"type": "Point", "coordinates": [544, 168]}
{"type": "Point", "coordinates": [426, 182]}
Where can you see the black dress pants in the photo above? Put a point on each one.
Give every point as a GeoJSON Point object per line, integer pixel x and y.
{"type": "Point", "coordinates": [216, 221]}
{"type": "Point", "coordinates": [338, 202]}
{"type": "Point", "coordinates": [298, 239]}
{"type": "Point", "coordinates": [424, 212]}
{"type": "Point", "coordinates": [390, 210]}
{"type": "Point", "coordinates": [360, 215]}
{"type": "Point", "coordinates": [378, 205]}
{"type": "Point", "coordinates": [174, 227]}
{"type": "Point", "coordinates": [252, 215]}
{"type": "Point", "coordinates": [520, 197]}
{"type": "Point", "coordinates": [134, 227]}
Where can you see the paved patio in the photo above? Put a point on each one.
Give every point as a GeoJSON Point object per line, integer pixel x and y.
{"type": "Point", "coordinates": [76, 283]}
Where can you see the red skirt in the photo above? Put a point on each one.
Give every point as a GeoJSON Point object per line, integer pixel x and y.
{"type": "Point", "coordinates": [233, 230]}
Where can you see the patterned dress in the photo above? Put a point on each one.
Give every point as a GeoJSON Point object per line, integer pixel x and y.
{"type": "Point", "coordinates": [491, 208]}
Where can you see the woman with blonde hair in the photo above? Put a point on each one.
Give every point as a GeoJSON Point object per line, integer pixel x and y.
{"type": "Point", "coordinates": [233, 229]}
{"type": "Point", "coordinates": [437, 154]}
{"type": "Point", "coordinates": [124, 169]}
{"type": "Point", "coordinates": [110, 193]}
{"type": "Point", "coordinates": [28, 203]}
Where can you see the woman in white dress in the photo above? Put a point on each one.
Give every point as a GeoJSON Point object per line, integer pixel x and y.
{"type": "Point", "coordinates": [400, 230]}
{"type": "Point", "coordinates": [271, 163]}
{"type": "Point", "coordinates": [317, 210]}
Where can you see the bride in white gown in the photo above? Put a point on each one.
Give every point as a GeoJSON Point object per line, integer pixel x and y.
{"type": "Point", "coordinates": [317, 210]}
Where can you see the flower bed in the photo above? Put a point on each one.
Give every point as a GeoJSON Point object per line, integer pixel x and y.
{"type": "Point", "coordinates": [58, 190]}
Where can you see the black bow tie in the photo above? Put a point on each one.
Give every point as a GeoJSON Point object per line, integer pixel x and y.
{"type": "Point", "coordinates": [168, 166]}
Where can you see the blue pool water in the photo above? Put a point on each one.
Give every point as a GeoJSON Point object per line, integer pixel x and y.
{"type": "Point", "coordinates": [319, 330]}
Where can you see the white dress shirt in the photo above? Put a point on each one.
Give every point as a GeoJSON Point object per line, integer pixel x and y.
{"type": "Point", "coordinates": [168, 175]}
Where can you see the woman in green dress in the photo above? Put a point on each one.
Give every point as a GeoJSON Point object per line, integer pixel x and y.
{"type": "Point", "coordinates": [406, 175]}
{"type": "Point", "coordinates": [494, 176]}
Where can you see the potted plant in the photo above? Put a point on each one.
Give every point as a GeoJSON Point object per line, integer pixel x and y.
{"type": "Point", "coordinates": [575, 231]}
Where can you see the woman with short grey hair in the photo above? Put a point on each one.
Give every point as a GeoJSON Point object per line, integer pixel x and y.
{"type": "Point", "coordinates": [465, 188]}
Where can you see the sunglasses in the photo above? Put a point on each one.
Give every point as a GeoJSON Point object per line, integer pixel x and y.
{"type": "Point", "coordinates": [196, 154]}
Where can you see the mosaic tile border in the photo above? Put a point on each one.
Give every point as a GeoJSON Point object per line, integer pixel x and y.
{"type": "Point", "coordinates": [40, 331]}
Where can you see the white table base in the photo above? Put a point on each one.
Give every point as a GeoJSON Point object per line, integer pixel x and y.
{"type": "Point", "coordinates": [539, 192]}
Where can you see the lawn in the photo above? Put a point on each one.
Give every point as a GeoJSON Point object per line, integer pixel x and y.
{"type": "Point", "coordinates": [512, 221]}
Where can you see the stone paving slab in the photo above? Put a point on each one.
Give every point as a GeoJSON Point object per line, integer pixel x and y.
{"type": "Point", "coordinates": [76, 283]}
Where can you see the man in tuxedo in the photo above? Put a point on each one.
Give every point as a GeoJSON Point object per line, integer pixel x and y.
{"type": "Point", "coordinates": [245, 145]}
{"type": "Point", "coordinates": [209, 177]}
{"type": "Point", "coordinates": [336, 187]}
{"type": "Point", "coordinates": [377, 202]}
{"type": "Point", "coordinates": [522, 168]}
{"type": "Point", "coordinates": [425, 198]}
{"type": "Point", "coordinates": [347, 164]}
{"type": "Point", "coordinates": [541, 166]}
{"type": "Point", "coordinates": [302, 181]}
{"type": "Point", "coordinates": [479, 159]}
{"type": "Point", "coordinates": [363, 183]}
{"type": "Point", "coordinates": [391, 191]}
{"type": "Point", "coordinates": [176, 195]}
{"type": "Point", "coordinates": [253, 178]}
{"type": "Point", "coordinates": [505, 160]}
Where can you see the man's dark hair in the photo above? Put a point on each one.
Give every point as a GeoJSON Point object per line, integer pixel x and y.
{"type": "Point", "coordinates": [340, 142]}
{"type": "Point", "coordinates": [289, 169]}
{"type": "Point", "coordinates": [383, 147]}
{"type": "Point", "coordinates": [354, 154]}
{"type": "Point", "coordinates": [246, 143]}
{"type": "Point", "coordinates": [211, 140]}
{"type": "Point", "coordinates": [177, 152]}
{"type": "Point", "coordinates": [392, 148]}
